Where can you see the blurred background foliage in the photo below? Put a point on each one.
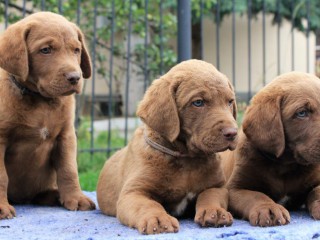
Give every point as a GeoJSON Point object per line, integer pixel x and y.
{"type": "Point", "coordinates": [160, 29]}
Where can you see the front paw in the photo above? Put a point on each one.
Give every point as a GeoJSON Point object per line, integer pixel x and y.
{"type": "Point", "coordinates": [7, 211]}
{"type": "Point", "coordinates": [76, 202]}
{"type": "Point", "coordinates": [213, 217]}
{"type": "Point", "coordinates": [269, 214]}
{"type": "Point", "coordinates": [314, 210]}
{"type": "Point", "coordinates": [159, 223]}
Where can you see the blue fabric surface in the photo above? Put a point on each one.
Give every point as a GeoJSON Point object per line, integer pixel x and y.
{"type": "Point", "coordinates": [35, 222]}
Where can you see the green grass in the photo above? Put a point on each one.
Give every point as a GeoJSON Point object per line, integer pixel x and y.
{"type": "Point", "coordinates": [89, 180]}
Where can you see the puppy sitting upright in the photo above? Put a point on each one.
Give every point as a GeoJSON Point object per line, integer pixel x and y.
{"type": "Point", "coordinates": [278, 155]}
{"type": "Point", "coordinates": [42, 58]}
{"type": "Point", "coordinates": [171, 165]}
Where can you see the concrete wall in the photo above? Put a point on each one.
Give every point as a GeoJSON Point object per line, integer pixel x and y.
{"type": "Point", "coordinates": [241, 69]}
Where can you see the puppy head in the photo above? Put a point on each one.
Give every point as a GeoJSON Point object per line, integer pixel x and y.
{"type": "Point", "coordinates": [194, 103]}
{"type": "Point", "coordinates": [47, 52]}
{"type": "Point", "coordinates": [285, 114]}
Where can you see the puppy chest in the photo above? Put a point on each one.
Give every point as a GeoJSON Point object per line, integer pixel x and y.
{"type": "Point", "coordinates": [179, 198]}
{"type": "Point", "coordinates": [39, 125]}
{"type": "Point", "coordinates": [34, 134]}
{"type": "Point", "coordinates": [33, 142]}
{"type": "Point", "coordinates": [177, 209]}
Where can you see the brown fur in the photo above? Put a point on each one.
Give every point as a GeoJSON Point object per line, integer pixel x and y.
{"type": "Point", "coordinates": [142, 186]}
{"type": "Point", "coordinates": [277, 159]}
{"type": "Point", "coordinates": [37, 136]}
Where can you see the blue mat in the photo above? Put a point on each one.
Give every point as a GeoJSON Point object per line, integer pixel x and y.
{"type": "Point", "coordinates": [34, 222]}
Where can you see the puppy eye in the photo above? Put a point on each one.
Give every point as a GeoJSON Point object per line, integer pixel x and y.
{"type": "Point", "coordinates": [77, 51]}
{"type": "Point", "coordinates": [198, 103]}
{"type": "Point", "coordinates": [46, 50]}
{"type": "Point", "coordinates": [230, 102]}
{"type": "Point", "coordinates": [302, 114]}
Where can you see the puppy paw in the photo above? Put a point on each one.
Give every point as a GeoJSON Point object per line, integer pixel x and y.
{"type": "Point", "coordinates": [315, 210]}
{"type": "Point", "coordinates": [162, 223]}
{"type": "Point", "coordinates": [78, 202]}
{"type": "Point", "coordinates": [270, 214]}
{"type": "Point", "coordinates": [7, 211]}
{"type": "Point", "coordinates": [213, 217]}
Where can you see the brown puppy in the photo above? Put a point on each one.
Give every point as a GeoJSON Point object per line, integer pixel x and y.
{"type": "Point", "coordinates": [278, 156]}
{"type": "Point", "coordinates": [42, 58]}
{"type": "Point", "coordinates": [171, 162]}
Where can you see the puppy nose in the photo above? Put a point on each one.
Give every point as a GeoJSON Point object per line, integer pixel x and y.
{"type": "Point", "coordinates": [73, 77]}
{"type": "Point", "coordinates": [230, 133]}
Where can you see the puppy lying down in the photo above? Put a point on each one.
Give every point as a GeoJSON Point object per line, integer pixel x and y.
{"type": "Point", "coordinates": [170, 168]}
{"type": "Point", "coordinates": [277, 159]}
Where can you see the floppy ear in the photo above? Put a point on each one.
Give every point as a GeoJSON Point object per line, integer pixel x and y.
{"type": "Point", "coordinates": [263, 126]}
{"type": "Point", "coordinates": [13, 50]}
{"type": "Point", "coordinates": [85, 58]}
{"type": "Point", "coordinates": [158, 109]}
{"type": "Point", "coordinates": [234, 108]}
{"type": "Point", "coordinates": [234, 104]}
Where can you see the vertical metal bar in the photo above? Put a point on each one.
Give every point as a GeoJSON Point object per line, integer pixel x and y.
{"type": "Point", "coordinates": [43, 5]}
{"type": "Point", "coordinates": [24, 8]}
{"type": "Point", "coordinates": [201, 29]}
{"type": "Point", "coordinates": [6, 13]}
{"type": "Point", "coordinates": [278, 38]}
{"type": "Point", "coordinates": [184, 30]}
{"type": "Point", "coordinates": [93, 78]}
{"type": "Point", "coordinates": [146, 26]}
{"type": "Point", "coordinates": [78, 11]}
{"type": "Point", "coordinates": [128, 73]}
{"type": "Point", "coordinates": [218, 33]}
{"type": "Point", "coordinates": [234, 44]}
{"type": "Point", "coordinates": [111, 77]}
{"type": "Point", "coordinates": [264, 77]}
{"type": "Point", "coordinates": [161, 37]}
{"type": "Point", "coordinates": [60, 7]}
{"type": "Point", "coordinates": [292, 34]}
{"type": "Point", "coordinates": [249, 3]}
{"type": "Point", "coordinates": [78, 97]}
{"type": "Point", "coordinates": [308, 35]}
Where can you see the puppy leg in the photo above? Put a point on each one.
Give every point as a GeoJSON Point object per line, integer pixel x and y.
{"type": "Point", "coordinates": [71, 196]}
{"type": "Point", "coordinates": [6, 210]}
{"type": "Point", "coordinates": [211, 208]}
{"type": "Point", "coordinates": [146, 215]}
{"type": "Point", "coordinates": [313, 203]}
{"type": "Point", "coordinates": [258, 208]}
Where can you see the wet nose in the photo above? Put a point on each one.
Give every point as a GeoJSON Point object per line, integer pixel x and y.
{"type": "Point", "coordinates": [230, 133]}
{"type": "Point", "coordinates": [73, 77]}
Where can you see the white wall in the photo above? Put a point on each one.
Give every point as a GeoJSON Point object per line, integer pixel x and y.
{"type": "Point", "coordinates": [300, 50]}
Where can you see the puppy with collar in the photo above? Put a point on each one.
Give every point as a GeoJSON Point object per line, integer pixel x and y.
{"type": "Point", "coordinates": [43, 60]}
{"type": "Point", "coordinates": [171, 167]}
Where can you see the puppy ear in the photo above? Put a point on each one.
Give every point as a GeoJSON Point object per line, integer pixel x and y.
{"type": "Point", "coordinates": [234, 109]}
{"type": "Point", "coordinates": [85, 58]}
{"type": "Point", "coordinates": [158, 109]}
{"type": "Point", "coordinates": [13, 50]}
{"type": "Point", "coordinates": [234, 103]}
{"type": "Point", "coordinates": [263, 126]}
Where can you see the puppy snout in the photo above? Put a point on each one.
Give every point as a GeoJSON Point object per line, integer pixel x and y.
{"type": "Point", "coordinates": [230, 133]}
{"type": "Point", "coordinates": [73, 77]}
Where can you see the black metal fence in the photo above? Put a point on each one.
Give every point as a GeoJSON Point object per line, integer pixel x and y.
{"type": "Point", "coordinates": [133, 42]}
